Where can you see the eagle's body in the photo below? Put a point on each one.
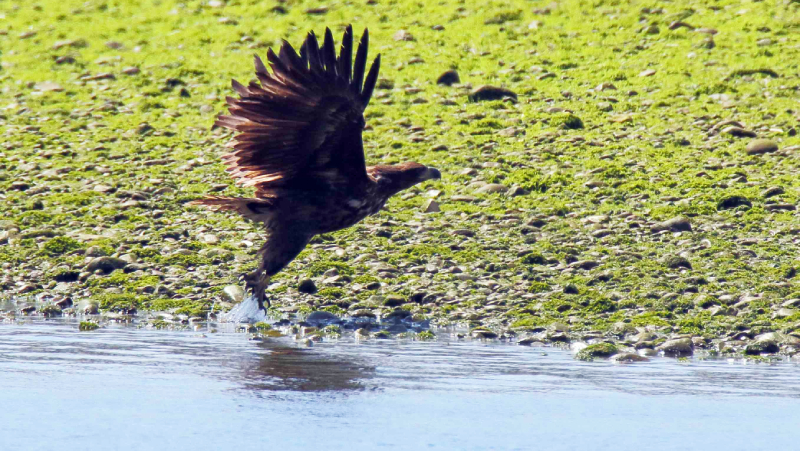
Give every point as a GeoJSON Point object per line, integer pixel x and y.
{"type": "Point", "coordinates": [299, 145]}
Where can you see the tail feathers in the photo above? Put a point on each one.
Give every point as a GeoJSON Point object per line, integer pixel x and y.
{"type": "Point", "coordinates": [252, 208]}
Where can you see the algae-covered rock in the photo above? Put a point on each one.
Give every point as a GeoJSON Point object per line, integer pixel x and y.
{"type": "Point", "coordinates": [596, 350]}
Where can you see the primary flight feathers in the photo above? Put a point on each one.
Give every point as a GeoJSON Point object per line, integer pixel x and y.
{"type": "Point", "coordinates": [306, 115]}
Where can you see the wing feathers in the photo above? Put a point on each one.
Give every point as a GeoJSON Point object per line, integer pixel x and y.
{"type": "Point", "coordinates": [372, 77]}
{"type": "Point", "coordinates": [360, 64]}
{"type": "Point", "coordinates": [346, 55]}
{"type": "Point", "coordinates": [304, 116]}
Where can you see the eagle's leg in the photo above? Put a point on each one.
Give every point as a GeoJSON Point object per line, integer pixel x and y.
{"type": "Point", "coordinates": [257, 282]}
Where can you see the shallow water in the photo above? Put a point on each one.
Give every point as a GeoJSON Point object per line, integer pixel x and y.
{"type": "Point", "coordinates": [132, 389]}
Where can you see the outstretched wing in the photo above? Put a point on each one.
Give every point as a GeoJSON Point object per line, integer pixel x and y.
{"type": "Point", "coordinates": [305, 118]}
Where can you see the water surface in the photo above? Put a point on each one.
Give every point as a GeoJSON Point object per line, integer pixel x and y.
{"type": "Point", "coordinates": [121, 388]}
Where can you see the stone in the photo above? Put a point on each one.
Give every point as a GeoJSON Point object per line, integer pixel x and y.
{"type": "Point", "coordinates": [739, 132]}
{"type": "Point", "coordinates": [307, 286]}
{"type": "Point", "coordinates": [361, 334]}
{"type": "Point", "coordinates": [403, 35]}
{"type": "Point", "coordinates": [677, 261]}
{"type": "Point", "coordinates": [676, 224]}
{"type": "Point", "coordinates": [47, 86]}
{"type": "Point", "coordinates": [88, 307]}
{"type": "Point", "coordinates": [516, 190]}
{"type": "Point", "coordinates": [94, 251]}
{"type": "Point", "coordinates": [483, 333]}
{"type": "Point", "coordinates": [784, 312]}
{"type": "Point", "coordinates": [728, 202]}
{"type": "Point", "coordinates": [487, 92]}
{"type": "Point", "coordinates": [764, 343]}
{"type": "Point", "coordinates": [320, 318]}
{"type": "Point", "coordinates": [772, 191]}
{"type": "Point", "coordinates": [430, 206]}
{"type": "Point", "coordinates": [492, 188]}
{"type": "Point", "coordinates": [105, 264]}
{"type": "Point", "coordinates": [628, 357]}
{"type": "Point", "coordinates": [448, 78]}
{"type": "Point", "coordinates": [761, 146]}
{"type": "Point", "coordinates": [677, 347]}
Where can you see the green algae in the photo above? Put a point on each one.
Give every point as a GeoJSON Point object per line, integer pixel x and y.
{"type": "Point", "coordinates": [88, 326]}
{"type": "Point", "coordinates": [615, 116]}
{"type": "Point", "coordinates": [590, 352]}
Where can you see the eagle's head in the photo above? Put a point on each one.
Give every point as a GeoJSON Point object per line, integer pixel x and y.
{"type": "Point", "coordinates": [392, 179]}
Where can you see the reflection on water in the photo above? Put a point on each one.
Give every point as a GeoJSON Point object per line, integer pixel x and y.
{"type": "Point", "coordinates": [185, 390]}
{"type": "Point", "coordinates": [283, 367]}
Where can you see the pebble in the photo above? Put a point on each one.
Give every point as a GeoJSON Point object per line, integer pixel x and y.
{"type": "Point", "coordinates": [483, 333]}
{"type": "Point", "coordinates": [307, 286]}
{"type": "Point", "coordinates": [738, 132]}
{"type": "Point", "coordinates": [516, 190]}
{"type": "Point", "coordinates": [430, 206]}
{"type": "Point", "coordinates": [677, 347]}
{"type": "Point", "coordinates": [772, 191]}
{"type": "Point", "coordinates": [764, 343]}
{"type": "Point", "coordinates": [403, 35]}
{"type": "Point", "coordinates": [361, 334]}
{"type": "Point", "coordinates": [47, 86]}
{"type": "Point", "coordinates": [105, 264]}
{"type": "Point", "coordinates": [676, 224]}
{"type": "Point", "coordinates": [784, 312]}
{"type": "Point", "coordinates": [628, 357]}
{"type": "Point", "coordinates": [448, 78]}
{"type": "Point", "coordinates": [728, 202]}
{"type": "Point", "coordinates": [321, 318]}
{"type": "Point", "coordinates": [487, 92]}
{"type": "Point", "coordinates": [492, 188]}
{"type": "Point", "coordinates": [676, 261]}
{"type": "Point", "coordinates": [761, 146]}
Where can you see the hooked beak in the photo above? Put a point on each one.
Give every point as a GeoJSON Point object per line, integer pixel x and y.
{"type": "Point", "coordinates": [431, 173]}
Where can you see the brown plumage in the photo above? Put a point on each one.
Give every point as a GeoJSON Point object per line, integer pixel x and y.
{"type": "Point", "coordinates": [299, 144]}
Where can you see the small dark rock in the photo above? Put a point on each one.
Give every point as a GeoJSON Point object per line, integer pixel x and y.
{"type": "Point", "coordinates": [491, 93]}
{"type": "Point", "coordinates": [105, 264]}
{"type": "Point", "coordinates": [773, 191]}
{"type": "Point", "coordinates": [448, 78]}
{"type": "Point", "coordinates": [739, 132]}
{"type": "Point", "coordinates": [307, 286]}
{"type": "Point", "coordinates": [726, 203]}
{"type": "Point", "coordinates": [394, 301]}
{"type": "Point", "coordinates": [676, 261]}
{"type": "Point", "coordinates": [483, 333]}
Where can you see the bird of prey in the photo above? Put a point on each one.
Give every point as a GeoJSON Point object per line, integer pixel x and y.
{"type": "Point", "coordinates": [298, 143]}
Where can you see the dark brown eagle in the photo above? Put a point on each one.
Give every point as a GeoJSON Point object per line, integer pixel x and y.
{"type": "Point", "coordinates": [299, 144]}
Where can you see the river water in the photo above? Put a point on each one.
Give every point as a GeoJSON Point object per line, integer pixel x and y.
{"type": "Point", "coordinates": [123, 388]}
